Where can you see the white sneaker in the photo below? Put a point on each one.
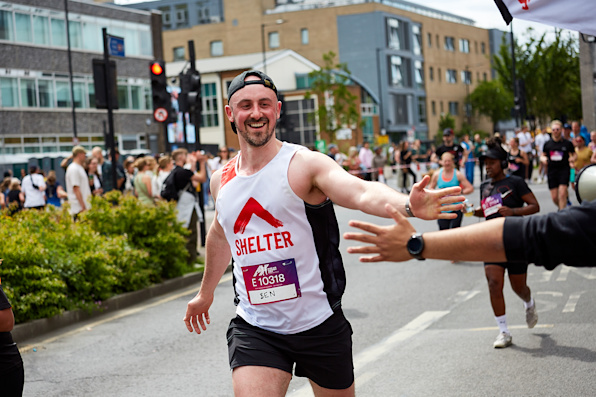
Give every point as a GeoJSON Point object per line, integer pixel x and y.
{"type": "Point", "coordinates": [531, 316]}
{"type": "Point", "coordinates": [503, 340]}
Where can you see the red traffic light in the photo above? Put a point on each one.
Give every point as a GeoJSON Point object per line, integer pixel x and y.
{"type": "Point", "coordinates": [156, 68]}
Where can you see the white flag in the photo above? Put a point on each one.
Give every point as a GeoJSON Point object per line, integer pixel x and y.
{"type": "Point", "coordinates": [569, 14]}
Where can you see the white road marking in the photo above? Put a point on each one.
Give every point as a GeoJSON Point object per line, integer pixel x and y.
{"type": "Point", "coordinates": [572, 302]}
{"type": "Point", "coordinates": [385, 346]}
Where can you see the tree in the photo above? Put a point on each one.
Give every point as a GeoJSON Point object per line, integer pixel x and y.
{"type": "Point", "coordinates": [492, 100]}
{"type": "Point", "coordinates": [337, 105]}
{"type": "Point", "coordinates": [550, 72]}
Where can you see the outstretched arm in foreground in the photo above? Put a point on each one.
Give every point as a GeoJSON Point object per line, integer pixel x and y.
{"type": "Point", "coordinates": [478, 242]}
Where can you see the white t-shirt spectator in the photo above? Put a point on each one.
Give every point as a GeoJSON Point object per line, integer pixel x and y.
{"type": "Point", "coordinates": [76, 176]}
{"type": "Point", "coordinates": [540, 140]}
{"type": "Point", "coordinates": [33, 197]}
{"type": "Point", "coordinates": [525, 141]}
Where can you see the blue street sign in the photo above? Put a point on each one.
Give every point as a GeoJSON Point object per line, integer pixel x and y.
{"type": "Point", "coordinates": [116, 46]}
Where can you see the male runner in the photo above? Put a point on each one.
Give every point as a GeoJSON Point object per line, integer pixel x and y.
{"type": "Point", "coordinates": [274, 216]}
{"type": "Point", "coordinates": [556, 154]}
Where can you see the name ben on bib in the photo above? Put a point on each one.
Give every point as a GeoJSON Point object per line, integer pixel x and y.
{"type": "Point", "coordinates": [265, 242]}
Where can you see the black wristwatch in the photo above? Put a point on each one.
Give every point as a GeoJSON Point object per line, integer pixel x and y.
{"type": "Point", "coordinates": [416, 246]}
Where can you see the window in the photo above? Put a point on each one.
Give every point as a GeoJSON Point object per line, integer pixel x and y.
{"type": "Point", "coordinates": [304, 36]}
{"type": "Point", "coordinates": [449, 43]}
{"type": "Point", "coordinates": [75, 34]}
{"type": "Point", "coordinates": [439, 74]}
{"type": "Point", "coordinates": [123, 100]}
{"type": "Point", "coordinates": [422, 110]}
{"type": "Point", "coordinates": [397, 71]}
{"type": "Point", "coordinates": [393, 36]}
{"type": "Point", "coordinates": [46, 94]}
{"type": "Point", "coordinates": [453, 108]}
{"type": "Point", "coordinates": [273, 39]}
{"type": "Point", "coordinates": [400, 106]}
{"type": "Point", "coordinates": [476, 47]}
{"type": "Point", "coordinates": [9, 92]}
{"type": "Point", "coordinates": [468, 109]}
{"type": "Point", "coordinates": [484, 76]}
{"type": "Point", "coordinates": [419, 75]}
{"type": "Point", "coordinates": [166, 17]}
{"type": "Point", "coordinates": [58, 28]}
{"type": "Point", "coordinates": [431, 73]}
{"type": "Point", "coordinates": [62, 94]}
{"type": "Point", "coordinates": [466, 77]}
{"type": "Point", "coordinates": [181, 14]}
{"type": "Point", "coordinates": [6, 26]}
{"type": "Point", "coordinates": [209, 113]}
{"type": "Point", "coordinates": [433, 106]}
{"type": "Point", "coordinates": [28, 93]}
{"type": "Point", "coordinates": [464, 46]}
{"type": "Point", "coordinates": [451, 76]}
{"type": "Point", "coordinates": [417, 40]}
{"type": "Point", "coordinates": [483, 48]}
{"type": "Point", "coordinates": [300, 125]}
{"type": "Point", "coordinates": [137, 97]}
{"type": "Point", "coordinates": [429, 39]}
{"type": "Point", "coordinates": [23, 27]}
{"type": "Point", "coordinates": [179, 54]}
{"type": "Point", "coordinates": [93, 41]}
{"type": "Point", "coordinates": [216, 48]}
{"type": "Point", "coordinates": [442, 107]}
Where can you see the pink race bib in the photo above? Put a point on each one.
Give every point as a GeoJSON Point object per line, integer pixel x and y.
{"type": "Point", "coordinates": [491, 204]}
{"type": "Point", "coordinates": [271, 282]}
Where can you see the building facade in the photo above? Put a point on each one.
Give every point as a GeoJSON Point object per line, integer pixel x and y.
{"type": "Point", "coordinates": [38, 121]}
{"type": "Point", "coordinates": [587, 53]}
{"type": "Point", "coordinates": [418, 62]}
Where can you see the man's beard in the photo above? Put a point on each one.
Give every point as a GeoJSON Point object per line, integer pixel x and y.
{"type": "Point", "coordinates": [259, 140]}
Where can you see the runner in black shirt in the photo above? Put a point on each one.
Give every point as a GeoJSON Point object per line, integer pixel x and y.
{"type": "Point", "coordinates": [556, 154]}
{"type": "Point", "coordinates": [503, 196]}
{"type": "Point", "coordinates": [12, 376]}
{"type": "Point", "coordinates": [448, 146]}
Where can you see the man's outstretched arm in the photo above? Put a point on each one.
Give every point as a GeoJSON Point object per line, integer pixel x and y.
{"type": "Point", "coordinates": [478, 242]}
{"type": "Point", "coordinates": [543, 240]}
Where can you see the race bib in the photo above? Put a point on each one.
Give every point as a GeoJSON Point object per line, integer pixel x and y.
{"type": "Point", "coordinates": [491, 204]}
{"type": "Point", "coordinates": [271, 282]}
{"type": "Point", "coordinates": [513, 167]}
{"type": "Point", "coordinates": [556, 155]}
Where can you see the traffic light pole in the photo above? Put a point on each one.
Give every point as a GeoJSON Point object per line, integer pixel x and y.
{"type": "Point", "coordinates": [111, 140]}
{"type": "Point", "coordinates": [197, 122]}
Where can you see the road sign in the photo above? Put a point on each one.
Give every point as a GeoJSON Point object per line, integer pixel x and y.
{"type": "Point", "coordinates": [116, 46]}
{"type": "Point", "coordinates": [160, 115]}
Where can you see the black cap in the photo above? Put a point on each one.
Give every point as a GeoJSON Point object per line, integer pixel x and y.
{"type": "Point", "coordinates": [447, 131]}
{"type": "Point", "coordinates": [495, 153]}
{"type": "Point", "coordinates": [239, 83]}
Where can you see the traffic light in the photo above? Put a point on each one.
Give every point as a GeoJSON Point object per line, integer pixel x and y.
{"type": "Point", "coordinates": [162, 100]}
{"type": "Point", "coordinates": [520, 98]}
{"type": "Point", "coordinates": [190, 95]}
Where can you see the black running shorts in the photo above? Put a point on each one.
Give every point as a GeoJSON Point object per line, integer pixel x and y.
{"type": "Point", "coordinates": [323, 354]}
{"type": "Point", "coordinates": [558, 177]}
{"type": "Point", "coordinates": [512, 267]}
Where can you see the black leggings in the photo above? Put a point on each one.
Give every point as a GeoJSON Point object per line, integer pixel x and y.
{"type": "Point", "coordinates": [445, 224]}
{"type": "Point", "coordinates": [404, 174]}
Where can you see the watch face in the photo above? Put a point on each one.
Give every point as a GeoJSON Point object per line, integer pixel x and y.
{"type": "Point", "coordinates": [415, 245]}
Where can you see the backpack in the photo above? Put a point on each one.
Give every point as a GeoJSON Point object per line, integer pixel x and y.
{"type": "Point", "coordinates": [168, 188]}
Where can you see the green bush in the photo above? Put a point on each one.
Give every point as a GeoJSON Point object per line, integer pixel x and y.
{"type": "Point", "coordinates": [52, 264]}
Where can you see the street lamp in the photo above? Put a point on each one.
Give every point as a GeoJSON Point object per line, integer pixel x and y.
{"type": "Point", "coordinates": [277, 22]}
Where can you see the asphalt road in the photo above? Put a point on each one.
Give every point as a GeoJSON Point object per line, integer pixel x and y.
{"type": "Point", "coordinates": [420, 329]}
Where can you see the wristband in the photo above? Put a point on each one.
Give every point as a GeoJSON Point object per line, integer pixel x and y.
{"type": "Point", "coordinates": [408, 210]}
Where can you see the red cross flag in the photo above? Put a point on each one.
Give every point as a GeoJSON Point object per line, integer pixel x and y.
{"type": "Point", "coordinates": [569, 14]}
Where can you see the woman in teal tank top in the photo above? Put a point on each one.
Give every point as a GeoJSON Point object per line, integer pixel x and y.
{"type": "Point", "coordinates": [448, 176]}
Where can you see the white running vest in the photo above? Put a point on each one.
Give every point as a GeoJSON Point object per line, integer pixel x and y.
{"type": "Point", "coordinates": [278, 280]}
